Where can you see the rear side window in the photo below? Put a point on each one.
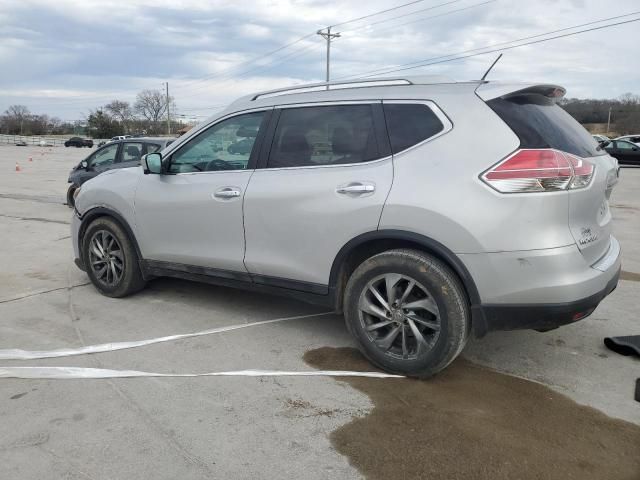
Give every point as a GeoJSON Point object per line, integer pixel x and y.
{"type": "Point", "coordinates": [410, 124]}
{"type": "Point", "coordinates": [331, 135]}
{"type": "Point", "coordinates": [540, 123]}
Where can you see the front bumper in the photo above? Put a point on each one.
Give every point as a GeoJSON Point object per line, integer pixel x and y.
{"type": "Point", "coordinates": [540, 289]}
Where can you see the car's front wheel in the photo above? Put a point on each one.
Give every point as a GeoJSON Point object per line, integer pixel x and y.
{"type": "Point", "coordinates": [408, 312]}
{"type": "Point", "coordinates": [111, 259]}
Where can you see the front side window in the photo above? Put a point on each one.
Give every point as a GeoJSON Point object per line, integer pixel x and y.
{"type": "Point", "coordinates": [410, 124]}
{"type": "Point", "coordinates": [131, 152]}
{"type": "Point", "coordinates": [331, 135]}
{"type": "Point", "coordinates": [622, 145]}
{"type": "Point", "coordinates": [104, 157]}
{"type": "Point", "coordinates": [225, 146]}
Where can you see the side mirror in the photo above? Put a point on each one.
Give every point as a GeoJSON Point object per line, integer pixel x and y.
{"type": "Point", "coordinates": [84, 164]}
{"type": "Point", "coordinates": [152, 163]}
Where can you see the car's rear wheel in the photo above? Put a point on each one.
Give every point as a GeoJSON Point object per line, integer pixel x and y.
{"type": "Point", "coordinates": [70, 191]}
{"type": "Point", "coordinates": [111, 259]}
{"type": "Point", "coordinates": [408, 312]}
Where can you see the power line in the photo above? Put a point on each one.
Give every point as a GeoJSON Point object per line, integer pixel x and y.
{"type": "Point", "coordinates": [431, 61]}
{"type": "Point", "coordinates": [393, 27]}
{"type": "Point", "coordinates": [228, 78]}
{"type": "Point", "coordinates": [247, 62]}
{"type": "Point", "coordinates": [377, 13]}
{"type": "Point", "coordinates": [503, 48]}
{"type": "Point", "coordinates": [403, 15]}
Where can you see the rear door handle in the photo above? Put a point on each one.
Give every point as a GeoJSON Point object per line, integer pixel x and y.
{"type": "Point", "coordinates": [227, 192]}
{"type": "Point", "coordinates": [356, 188]}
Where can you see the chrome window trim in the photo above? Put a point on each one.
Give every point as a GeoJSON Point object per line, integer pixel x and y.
{"type": "Point", "coordinates": [325, 104]}
{"type": "Point", "coordinates": [308, 167]}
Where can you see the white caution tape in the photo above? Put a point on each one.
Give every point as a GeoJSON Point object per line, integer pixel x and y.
{"type": "Point", "coordinates": [66, 373]}
{"type": "Point", "coordinates": [17, 354]}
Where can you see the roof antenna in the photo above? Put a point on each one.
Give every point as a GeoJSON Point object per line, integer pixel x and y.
{"type": "Point", "coordinates": [491, 68]}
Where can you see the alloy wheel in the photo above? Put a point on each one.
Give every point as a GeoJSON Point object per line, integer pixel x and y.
{"type": "Point", "coordinates": [399, 315]}
{"type": "Point", "coordinates": [106, 259]}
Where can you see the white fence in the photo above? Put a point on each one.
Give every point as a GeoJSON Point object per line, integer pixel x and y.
{"type": "Point", "coordinates": [40, 140]}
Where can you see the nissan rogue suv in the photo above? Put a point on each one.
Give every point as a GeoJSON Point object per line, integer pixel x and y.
{"type": "Point", "coordinates": [423, 209]}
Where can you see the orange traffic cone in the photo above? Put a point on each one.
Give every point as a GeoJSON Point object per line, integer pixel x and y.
{"type": "Point", "coordinates": [17, 167]}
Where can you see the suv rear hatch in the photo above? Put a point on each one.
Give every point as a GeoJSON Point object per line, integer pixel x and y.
{"type": "Point", "coordinates": [535, 117]}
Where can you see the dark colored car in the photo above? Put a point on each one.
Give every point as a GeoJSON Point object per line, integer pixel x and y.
{"type": "Point", "coordinates": [79, 142]}
{"type": "Point", "coordinates": [625, 152]}
{"type": "Point", "coordinates": [117, 154]}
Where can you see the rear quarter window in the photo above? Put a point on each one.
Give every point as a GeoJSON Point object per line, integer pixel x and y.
{"type": "Point", "coordinates": [409, 124]}
{"type": "Point", "coordinates": [540, 123]}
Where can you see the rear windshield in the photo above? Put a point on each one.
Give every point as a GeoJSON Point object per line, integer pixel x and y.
{"type": "Point", "coordinates": [540, 123]}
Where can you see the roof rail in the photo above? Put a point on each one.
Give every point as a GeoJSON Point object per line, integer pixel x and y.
{"type": "Point", "coordinates": [328, 86]}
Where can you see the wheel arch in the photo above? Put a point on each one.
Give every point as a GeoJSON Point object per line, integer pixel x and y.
{"type": "Point", "coordinates": [354, 252]}
{"type": "Point", "coordinates": [97, 212]}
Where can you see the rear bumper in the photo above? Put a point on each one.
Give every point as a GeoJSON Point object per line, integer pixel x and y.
{"type": "Point", "coordinates": [540, 289]}
{"type": "Point", "coordinates": [538, 316]}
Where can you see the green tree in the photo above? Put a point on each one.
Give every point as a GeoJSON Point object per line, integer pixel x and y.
{"type": "Point", "coordinates": [101, 125]}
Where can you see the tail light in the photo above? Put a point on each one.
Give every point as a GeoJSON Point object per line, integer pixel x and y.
{"type": "Point", "coordinates": [542, 170]}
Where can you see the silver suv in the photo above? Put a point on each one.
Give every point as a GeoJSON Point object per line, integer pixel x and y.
{"type": "Point", "coordinates": [422, 208]}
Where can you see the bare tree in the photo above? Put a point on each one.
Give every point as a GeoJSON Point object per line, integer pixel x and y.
{"type": "Point", "coordinates": [121, 111]}
{"type": "Point", "coordinates": [16, 115]}
{"type": "Point", "coordinates": [152, 105]}
{"type": "Point", "coordinates": [629, 99]}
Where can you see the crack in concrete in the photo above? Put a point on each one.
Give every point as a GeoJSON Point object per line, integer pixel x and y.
{"type": "Point", "coordinates": [33, 198]}
{"type": "Point", "coordinates": [206, 471]}
{"type": "Point", "coordinates": [35, 294]}
{"type": "Point", "coordinates": [35, 219]}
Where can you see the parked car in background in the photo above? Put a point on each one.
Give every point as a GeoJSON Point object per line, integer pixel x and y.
{"type": "Point", "coordinates": [600, 138]}
{"type": "Point", "coordinates": [359, 198]}
{"type": "Point", "coordinates": [79, 142]}
{"type": "Point", "coordinates": [115, 154]}
{"type": "Point", "coordinates": [21, 143]}
{"type": "Point", "coordinates": [630, 138]}
{"type": "Point", "coordinates": [626, 153]}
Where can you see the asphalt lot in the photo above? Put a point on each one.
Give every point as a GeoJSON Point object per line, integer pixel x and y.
{"type": "Point", "coordinates": [170, 428]}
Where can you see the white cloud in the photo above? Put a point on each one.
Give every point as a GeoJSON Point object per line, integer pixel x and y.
{"type": "Point", "coordinates": [67, 56]}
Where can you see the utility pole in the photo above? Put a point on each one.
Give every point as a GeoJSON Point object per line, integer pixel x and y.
{"type": "Point", "coordinates": [168, 117]}
{"type": "Point", "coordinates": [608, 121]}
{"type": "Point", "coordinates": [328, 36]}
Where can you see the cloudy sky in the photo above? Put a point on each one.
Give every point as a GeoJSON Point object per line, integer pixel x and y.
{"type": "Point", "coordinates": [64, 57]}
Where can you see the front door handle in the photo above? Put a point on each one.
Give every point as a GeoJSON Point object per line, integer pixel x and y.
{"type": "Point", "coordinates": [227, 192]}
{"type": "Point", "coordinates": [356, 188]}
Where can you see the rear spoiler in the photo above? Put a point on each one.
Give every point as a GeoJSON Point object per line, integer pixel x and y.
{"type": "Point", "coordinates": [489, 91]}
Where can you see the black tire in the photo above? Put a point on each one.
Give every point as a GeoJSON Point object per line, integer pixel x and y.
{"type": "Point", "coordinates": [131, 280]}
{"type": "Point", "coordinates": [70, 200]}
{"type": "Point", "coordinates": [434, 282]}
